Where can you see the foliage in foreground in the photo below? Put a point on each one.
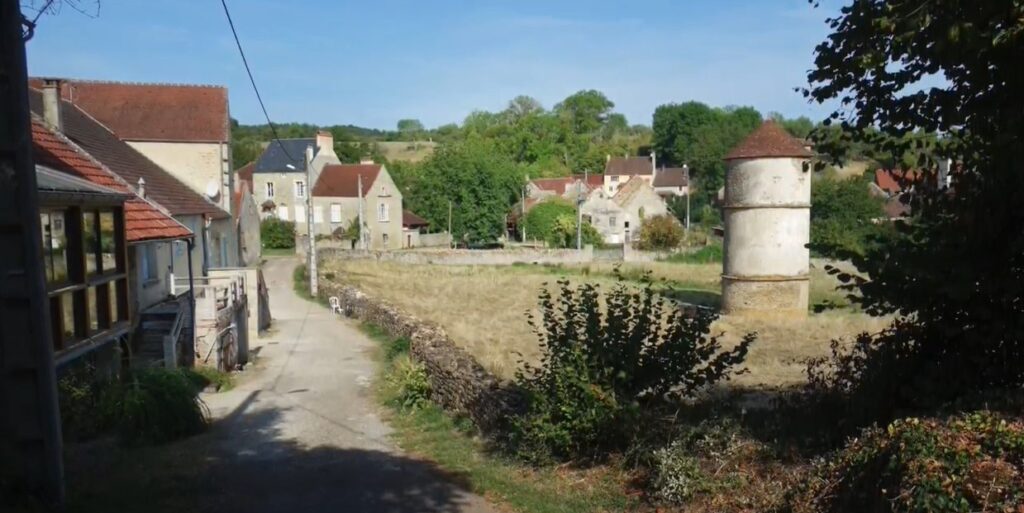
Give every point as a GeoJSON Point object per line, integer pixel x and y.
{"type": "Point", "coordinates": [277, 234]}
{"type": "Point", "coordinates": [148, 406]}
{"type": "Point", "coordinates": [843, 216]}
{"type": "Point", "coordinates": [970, 463]}
{"type": "Point", "coordinates": [605, 362]}
{"type": "Point", "coordinates": [660, 233]}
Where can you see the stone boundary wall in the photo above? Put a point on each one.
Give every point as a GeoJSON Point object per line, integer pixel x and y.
{"type": "Point", "coordinates": [488, 257]}
{"type": "Point", "coordinates": [458, 383]}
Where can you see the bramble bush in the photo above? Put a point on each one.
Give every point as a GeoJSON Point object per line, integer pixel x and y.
{"type": "Point", "coordinates": [277, 234]}
{"type": "Point", "coordinates": [606, 362]}
{"type": "Point", "coordinates": [970, 463]}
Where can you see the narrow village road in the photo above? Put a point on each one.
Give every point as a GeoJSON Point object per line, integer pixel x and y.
{"type": "Point", "coordinates": [301, 431]}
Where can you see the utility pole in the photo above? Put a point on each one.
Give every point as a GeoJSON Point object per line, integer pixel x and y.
{"type": "Point", "coordinates": [522, 205]}
{"type": "Point", "coordinates": [689, 189]}
{"type": "Point", "coordinates": [451, 238]}
{"type": "Point", "coordinates": [579, 213]}
{"type": "Point", "coordinates": [310, 232]}
{"type": "Point", "coordinates": [30, 435]}
{"type": "Point", "coordinates": [362, 231]}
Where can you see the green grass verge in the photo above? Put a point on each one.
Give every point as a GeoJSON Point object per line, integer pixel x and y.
{"type": "Point", "coordinates": [707, 255]}
{"type": "Point", "coordinates": [431, 433]}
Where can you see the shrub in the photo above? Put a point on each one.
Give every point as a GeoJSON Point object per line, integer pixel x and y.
{"type": "Point", "coordinates": [604, 361]}
{"type": "Point", "coordinates": [842, 216]}
{"type": "Point", "coordinates": [972, 462]}
{"type": "Point", "coordinates": [540, 220]}
{"type": "Point", "coordinates": [677, 474]}
{"type": "Point", "coordinates": [277, 234]}
{"type": "Point", "coordinates": [79, 395]}
{"type": "Point", "coordinates": [563, 233]}
{"type": "Point", "coordinates": [408, 384]}
{"type": "Point", "coordinates": [155, 406]}
{"type": "Point", "coordinates": [660, 233]}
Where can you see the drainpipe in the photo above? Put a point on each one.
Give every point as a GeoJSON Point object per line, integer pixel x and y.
{"type": "Point", "coordinates": [191, 298]}
{"type": "Point", "coordinates": [206, 245]}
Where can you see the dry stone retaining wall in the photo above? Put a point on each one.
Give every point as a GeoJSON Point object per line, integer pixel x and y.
{"type": "Point", "coordinates": [458, 383]}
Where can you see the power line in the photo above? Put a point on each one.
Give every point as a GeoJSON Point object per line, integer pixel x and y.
{"type": "Point", "coordinates": [273, 129]}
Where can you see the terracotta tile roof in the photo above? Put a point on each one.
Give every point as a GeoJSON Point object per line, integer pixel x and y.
{"type": "Point", "coordinates": [559, 185]}
{"type": "Point", "coordinates": [341, 180]}
{"type": "Point", "coordinates": [628, 166]}
{"type": "Point", "coordinates": [128, 164]}
{"type": "Point", "coordinates": [892, 181]}
{"type": "Point", "coordinates": [671, 177]}
{"type": "Point", "coordinates": [143, 220]}
{"type": "Point", "coordinates": [628, 191]}
{"type": "Point", "coordinates": [153, 112]}
{"type": "Point", "coordinates": [410, 220]}
{"type": "Point", "coordinates": [769, 140]}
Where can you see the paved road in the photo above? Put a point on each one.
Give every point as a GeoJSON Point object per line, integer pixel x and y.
{"type": "Point", "coordinates": [301, 432]}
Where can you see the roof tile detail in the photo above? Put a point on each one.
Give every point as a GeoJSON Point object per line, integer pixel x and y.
{"type": "Point", "coordinates": [628, 166]}
{"type": "Point", "coordinates": [153, 112]}
{"type": "Point", "coordinates": [769, 140]}
{"type": "Point", "coordinates": [143, 220]}
{"type": "Point", "coordinates": [342, 180]}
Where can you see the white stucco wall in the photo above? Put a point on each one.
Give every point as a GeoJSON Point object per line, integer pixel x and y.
{"type": "Point", "coordinates": [144, 293]}
{"type": "Point", "coordinates": [195, 164]}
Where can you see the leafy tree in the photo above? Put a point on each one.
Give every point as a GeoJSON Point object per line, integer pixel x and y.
{"type": "Point", "coordinates": [523, 106]}
{"type": "Point", "coordinates": [585, 111]}
{"type": "Point", "coordinates": [660, 233]}
{"type": "Point", "coordinates": [540, 220]}
{"type": "Point", "coordinates": [410, 129]}
{"type": "Point", "coordinates": [954, 272]}
{"type": "Point", "coordinates": [277, 234]}
{"type": "Point", "coordinates": [479, 183]}
{"type": "Point", "coordinates": [564, 232]}
{"type": "Point", "coordinates": [843, 216]}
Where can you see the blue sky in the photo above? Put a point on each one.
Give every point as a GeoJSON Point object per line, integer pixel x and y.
{"type": "Point", "coordinates": [371, 63]}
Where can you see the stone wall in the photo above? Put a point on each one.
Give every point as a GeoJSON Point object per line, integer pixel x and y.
{"type": "Point", "coordinates": [458, 383]}
{"type": "Point", "coordinates": [438, 256]}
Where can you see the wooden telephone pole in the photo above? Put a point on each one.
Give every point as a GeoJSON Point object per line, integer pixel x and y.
{"type": "Point", "coordinates": [30, 438]}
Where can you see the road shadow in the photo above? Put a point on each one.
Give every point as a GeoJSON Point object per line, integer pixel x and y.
{"type": "Point", "coordinates": [246, 463]}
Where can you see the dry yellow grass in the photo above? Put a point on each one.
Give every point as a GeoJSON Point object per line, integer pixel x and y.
{"type": "Point", "coordinates": [484, 308]}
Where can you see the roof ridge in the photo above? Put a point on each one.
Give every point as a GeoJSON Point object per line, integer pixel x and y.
{"type": "Point", "coordinates": [129, 82]}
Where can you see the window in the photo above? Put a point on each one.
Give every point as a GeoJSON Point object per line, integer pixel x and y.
{"type": "Point", "coordinates": [148, 263]}
{"type": "Point", "coordinates": [300, 189]}
{"type": "Point", "coordinates": [384, 190]}
{"type": "Point", "coordinates": [108, 243]}
{"type": "Point", "coordinates": [611, 221]}
{"type": "Point", "coordinates": [269, 191]}
{"type": "Point", "coordinates": [91, 242]}
{"type": "Point", "coordinates": [383, 212]}
{"type": "Point", "coordinates": [282, 212]}
{"type": "Point", "coordinates": [54, 246]}
{"type": "Point", "coordinates": [335, 212]}
{"type": "Point", "coordinates": [615, 178]}
{"type": "Point", "coordinates": [385, 239]}
{"type": "Point", "coordinates": [300, 213]}
{"type": "Point", "coordinates": [318, 214]}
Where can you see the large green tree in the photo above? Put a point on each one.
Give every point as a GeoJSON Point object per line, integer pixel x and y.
{"type": "Point", "coordinates": [955, 272]}
{"type": "Point", "coordinates": [844, 216]}
{"type": "Point", "coordinates": [479, 183]}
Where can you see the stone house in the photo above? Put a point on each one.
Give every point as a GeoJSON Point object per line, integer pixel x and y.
{"type": "Point", "coordinates": [183, 128]}
{"type": "Point", "coordinates": [279, 178]}
{"type": "Point", "coordinates": [566, 187]}
{"type": "Point", "coordinates": [106, 251]}
{"type": "Point", "coordinates": [338, 199]}
{"type": "Point", "coordinates": [619, 170]}
{"type": "Point", "coordinates": [247, 218]}
{"type": "Point", "coordinates": [618, 217]}
{"type": "Point", "coordinates": [412, 225]}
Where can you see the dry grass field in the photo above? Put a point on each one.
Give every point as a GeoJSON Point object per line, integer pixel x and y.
{"type": "Point", "coordinates": [407, 151]}
{"type": "Point", "coordinates": [484, 310]}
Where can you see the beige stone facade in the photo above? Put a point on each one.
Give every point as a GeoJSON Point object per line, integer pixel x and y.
{"type": "Point", "coordinates": [618, 217]}
{"type": "Point", "coordinates": [382, 214]}
{"type": "Point", "coordinates": [197, 164]}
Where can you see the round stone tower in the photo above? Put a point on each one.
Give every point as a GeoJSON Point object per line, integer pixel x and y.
{"type": "Point", "coordinates": [767, 213]}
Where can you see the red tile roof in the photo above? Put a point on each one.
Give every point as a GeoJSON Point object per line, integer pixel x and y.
{"type": "Point", "coordinates": [153, 112]}
{"type": "Point", "coordinates": [410, 220]}
{"type": "Point", "coordinates": [559, 185]}
{"type": "Point", "coordinates": [341, 180]}
{"type": "Point", "coordinates": [628, 166]}
{"type": "Point", "coordinates": [671, 177]}
{"type": "Point", "coordinates": [128, 164]}
{"type": "Point", "coordinates": [143, 220]}
{"type": "Point", "coordinates": [892, 181]}
{"type": "Point", "coordinates": [769, 140]}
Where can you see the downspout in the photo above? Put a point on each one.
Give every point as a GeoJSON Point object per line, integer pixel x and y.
{"type": "Point", "coordinates": [206, 245]}
{"type": "Point", "coordinates": [191, 298]}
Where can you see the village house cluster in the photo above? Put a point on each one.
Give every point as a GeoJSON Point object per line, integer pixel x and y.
{"type": "Point", "coordinates": [143, 230]}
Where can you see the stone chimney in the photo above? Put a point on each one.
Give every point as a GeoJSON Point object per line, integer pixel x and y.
{"type": "Point", "coordinates": [654, 164]}
{"type": "Point", "coordinates": [51, 104]}
{"type": "Point", "coordinates": [141, 190]}
{"type": "Point", "coordinates": [325, 143]}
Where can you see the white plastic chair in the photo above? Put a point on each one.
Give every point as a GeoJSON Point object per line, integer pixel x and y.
{"type": "Point", "coordinates": [335, 305]}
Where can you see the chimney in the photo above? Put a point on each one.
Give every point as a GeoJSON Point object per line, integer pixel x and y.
{"type": "Point", "coordinates": [51, 104]}
{"type": "Point", "coordinates": [654, 164]}
{"type": "Point", "coordinates": [607, 158]}
{"type": "Point", "coordinates": [325, 143]}
{"type": "Point", "coordinates": [142, 187]}
{"type": "Point", "coordinates": [309, 153]}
